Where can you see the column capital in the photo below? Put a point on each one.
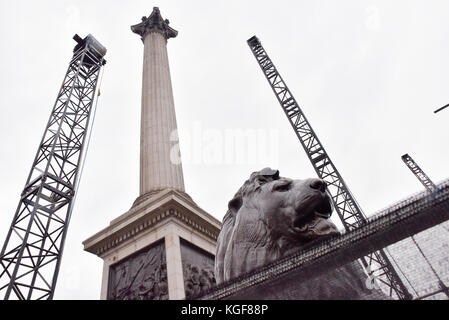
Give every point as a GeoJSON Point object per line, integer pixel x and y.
{"type": "Point", "coordinates": [154, 23]}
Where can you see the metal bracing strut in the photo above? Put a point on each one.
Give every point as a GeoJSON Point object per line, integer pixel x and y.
{"type": "Point", "coordinates": [443, 107]}
{"type": "Point", "coordinates": [345, 204]}
{"type": "Point", "coordinates": [31, 255]}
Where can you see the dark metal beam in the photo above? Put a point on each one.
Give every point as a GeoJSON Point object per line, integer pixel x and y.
{"type": "Point", "coordinates": [439, 109]}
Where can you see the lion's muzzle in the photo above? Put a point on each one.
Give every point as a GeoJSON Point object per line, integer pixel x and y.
{"type": "Point", "coordinates": [312, 221]}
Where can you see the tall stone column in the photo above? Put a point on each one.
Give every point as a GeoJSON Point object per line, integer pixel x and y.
{"type": "Point", "coordinates": [160, 247]}
{"type": "Point", "coordinates": [158, 120]}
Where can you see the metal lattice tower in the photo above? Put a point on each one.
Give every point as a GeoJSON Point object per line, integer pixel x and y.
{"type": "Point", "coordinates": [417, 171]}
{"type": "Point", "coordinates": [430, 186]}
{"type": "Point", "coordinates": [348, 210]}
{"type": "Point", "coordinates": [31, 255]}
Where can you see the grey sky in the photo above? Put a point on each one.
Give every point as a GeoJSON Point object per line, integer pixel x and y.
{"type": "Point", "coordinates": [368, 75]}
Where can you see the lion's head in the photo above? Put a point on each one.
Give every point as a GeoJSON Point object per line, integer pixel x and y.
{"type": "Point", "coordinates": [268, 217]}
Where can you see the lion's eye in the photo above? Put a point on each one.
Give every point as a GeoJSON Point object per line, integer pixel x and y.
{"type": "Point", "coordinates": [282, 186]}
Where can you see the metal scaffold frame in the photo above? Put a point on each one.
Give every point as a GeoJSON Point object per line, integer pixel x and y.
{"type": "Point", "coordinates": [348, 210]}
{"type": "Point", "coordinates": [31, 255]}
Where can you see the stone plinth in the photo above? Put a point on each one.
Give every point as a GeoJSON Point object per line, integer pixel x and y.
{"type": "Point", "coordinates": [165, 220]}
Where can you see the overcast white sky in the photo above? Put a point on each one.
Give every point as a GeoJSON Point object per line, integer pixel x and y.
{"type": "Point", "coordinates": [368, 75]}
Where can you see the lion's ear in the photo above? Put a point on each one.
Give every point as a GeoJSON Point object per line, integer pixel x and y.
{"type": "Point", "coordinates": [235, 204]}
{"type": "Point", "coordinates": [266, 175]}
{"type": "Point", "coordinates": [269, 173]}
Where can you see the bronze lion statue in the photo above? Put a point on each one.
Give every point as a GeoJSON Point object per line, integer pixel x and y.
{"type": "Point", "coordinates": [271, 216]}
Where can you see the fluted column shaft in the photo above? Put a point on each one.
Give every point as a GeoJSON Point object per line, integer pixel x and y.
{"type": "Point", "coordinates": [158, 120]}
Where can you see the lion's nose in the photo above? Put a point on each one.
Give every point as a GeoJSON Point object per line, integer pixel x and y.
{"type": "Point", "coordinates": [318, 184]}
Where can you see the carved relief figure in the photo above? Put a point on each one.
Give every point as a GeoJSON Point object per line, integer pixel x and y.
{"type": "Point", "coordinates": [197, 280]}
{"type": "Point", "coordinates": [140, 277]}
{"type": "Point", "coordinates": [269, 217]}
{"type": "Point", "coordinates": [198, 269]}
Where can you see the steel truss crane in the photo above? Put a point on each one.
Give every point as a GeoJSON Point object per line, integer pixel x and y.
{"type": "Point", "coordinates": [348, 210]}
{"type": "Point", "coordinates": [31, 255]}
{"type": "Point", "coordinates": [417, 171]}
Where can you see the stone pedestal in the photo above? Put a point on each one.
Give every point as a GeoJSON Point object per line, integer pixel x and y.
{"type": "Point", "coordinates": [161, 248]}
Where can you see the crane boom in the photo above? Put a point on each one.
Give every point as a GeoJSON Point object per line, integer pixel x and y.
{"type": "Point", "coordinates": [31, 255]}
{"type": "Point", "coordinates": [418, 172]}
{"type": "Point", "coordinates": [344, 202]}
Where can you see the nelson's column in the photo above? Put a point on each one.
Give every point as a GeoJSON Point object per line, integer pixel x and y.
{"type": "Point", "coordinates": [164, 246]}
